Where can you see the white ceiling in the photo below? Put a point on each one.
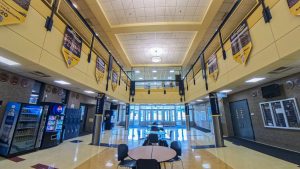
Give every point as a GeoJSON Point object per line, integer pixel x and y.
{"type": "Point", "coordinates": [171, 46]}
{"type": "Point", "coordinates": [148, 11]}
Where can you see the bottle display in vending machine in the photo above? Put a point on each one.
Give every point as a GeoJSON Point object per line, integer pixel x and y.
{"type": "Point", "coordinates": [19, 128]}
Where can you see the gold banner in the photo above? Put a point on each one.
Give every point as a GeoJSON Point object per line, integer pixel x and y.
{"type": "Point", "coordinates": [13, 11]}
{"type": "Point", "coordinates": [100, 69]}
{"type": "Point", "coordinates": [241, 43]}
{"type": "Point", "coordinates": [114, 81]}
{"type": "Point", "coordinates": [71, 47]}
{"type": "Point", "coordinates": [294, 6]}
{"type": "Point", "coordinates": [213, 68]}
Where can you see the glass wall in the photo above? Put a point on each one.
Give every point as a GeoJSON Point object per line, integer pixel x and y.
{"type": "Point", "coordinates": [167, 115]}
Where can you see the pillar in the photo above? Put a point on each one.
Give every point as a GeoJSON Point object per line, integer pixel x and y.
{"type": "Point", "coordinates": [127, 116]}
{"type": "Point", "coordinates": [98, 119]}
{"type": "Point", "coordinates": [187, 117]}
{"type": "Point", "coordinates": [215, 111]}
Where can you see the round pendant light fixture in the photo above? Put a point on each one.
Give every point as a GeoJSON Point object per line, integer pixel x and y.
{"type": "Point", "coordinates": [156, 59]}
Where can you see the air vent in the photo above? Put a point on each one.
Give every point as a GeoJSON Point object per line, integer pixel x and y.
{"type": "Point", "coordinates": [280, 70]}
{"type": "Point", "coordinates": [39, 74]}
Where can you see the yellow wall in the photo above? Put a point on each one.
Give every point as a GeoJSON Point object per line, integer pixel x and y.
{"type": "Point", "coordinates": [157, 96]}
{"type": "Point", "coordinates": [275, 43]}
{"type": "Point", "coordinates": [40, 50]}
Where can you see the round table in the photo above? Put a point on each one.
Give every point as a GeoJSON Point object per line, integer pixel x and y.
{"type": "Point", "coordinates": [159, 153]}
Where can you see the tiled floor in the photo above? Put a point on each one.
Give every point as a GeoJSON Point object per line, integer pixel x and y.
{"type": "Point", "coordinates": [81, 155]}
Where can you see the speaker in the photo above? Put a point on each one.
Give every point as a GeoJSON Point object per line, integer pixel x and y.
{"type": "Point", "coordinates": [181, 87]}
{"type": "Point", "coordinates": [132, 88]}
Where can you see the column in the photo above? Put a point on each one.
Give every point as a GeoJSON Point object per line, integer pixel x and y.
{"type": "Point", "coordinates": [213, 98]}
{"type": "Point", "coordinates": [98, 119]}
{"type": "Point", "coordinates": [187, 117]}
{"type": "Point", "coordinates": [127, 116]}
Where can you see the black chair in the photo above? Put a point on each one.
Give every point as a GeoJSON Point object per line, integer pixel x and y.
{"type": "Point", "coordinates": [122, 154]}
{"type": "Point", "coordinates": [176, 145]}
{"type": "Point", "coordinates": [147, 164]}
{"type": "Point", "coordinates": [154, 128]}
{"type": "Point", "coordinates": [153, 139]}
{"type": "Point", "coordinates": [163, 143]}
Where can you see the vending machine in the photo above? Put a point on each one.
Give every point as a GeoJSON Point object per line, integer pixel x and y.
{"type": "Point", "coordinates": [19, 128]}
{"type": "Point", "coordinates": [50, 131]}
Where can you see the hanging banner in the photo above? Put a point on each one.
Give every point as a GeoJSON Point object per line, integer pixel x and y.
{"type": "Point", "coordinates": [241, 44]}
{"type": "Point", "coordinates": [100, 69]}
{"type": "Point", "coordinates": [294, 6]}
{"type": "Point", "coordinates": [213, 69]}
{"type": "Point", "coordinates": [114, 80]}
{"type": "Point", "coordinates": [72, 47]}
{"type": "Point", "coordinates": [13, 11]}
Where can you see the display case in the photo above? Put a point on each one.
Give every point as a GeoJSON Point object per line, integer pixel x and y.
{"type": "Point", "coordinates": [282, 114]}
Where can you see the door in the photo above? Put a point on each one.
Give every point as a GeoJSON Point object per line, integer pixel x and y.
{"type": "Point", "coordinates": [83, 114]}
{"type": "Point", "coordinates": [241, 120]}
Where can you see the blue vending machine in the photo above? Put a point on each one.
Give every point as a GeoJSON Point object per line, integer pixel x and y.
{"type": "Point", "coordinates": [19, 128]}
{"type": "Point", "coordinates": [51, 127]}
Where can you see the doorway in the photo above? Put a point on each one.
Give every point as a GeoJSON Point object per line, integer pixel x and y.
{"type": "Point", "coordinates": [83, 116]}
{"type": "Point", "coordinates": [241, 120]}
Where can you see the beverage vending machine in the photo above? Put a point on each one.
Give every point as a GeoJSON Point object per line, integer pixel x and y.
{"type": "Point", "coordinates": [50, 131]}
{"type": "Point", "coordinates": [19, 128]}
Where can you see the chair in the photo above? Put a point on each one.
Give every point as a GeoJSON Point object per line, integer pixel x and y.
{"type": "Point", "coordinates": [147, 164]}
{"type": "Point", "coordinates": [153, 139]}
{"type": "Point", "coordinates": [154, 128]}
{"type": "Point", "coordinates": [122, 154]}
{"type": "Point", "coordinates": [176, 145]}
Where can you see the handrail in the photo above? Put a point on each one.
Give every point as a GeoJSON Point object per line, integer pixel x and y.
{"type": "Point", "coordinates": [214, 35]}
{"type": "Point", "coordinates": [95, 35]}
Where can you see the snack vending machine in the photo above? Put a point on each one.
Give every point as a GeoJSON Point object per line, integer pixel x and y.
{"type": "Point", "coordinates": [19, 128]}
{"type": "Point", "coordinates": [50, 131]}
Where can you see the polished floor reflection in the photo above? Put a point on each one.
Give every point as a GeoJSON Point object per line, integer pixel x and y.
{"type": "Point", "coordinates": [196, 153]}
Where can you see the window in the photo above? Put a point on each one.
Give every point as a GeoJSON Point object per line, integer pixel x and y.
{"type": "Point", "coordinates": [281, 114]}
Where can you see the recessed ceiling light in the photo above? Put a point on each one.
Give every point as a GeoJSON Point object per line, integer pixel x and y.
{"type": "Point", "coordinates": [169, 77]}
{"type": "Point", "coordinates": [154, 78]}
{"type": "Point", "coordinates": [89, 92]}
{"type": "Point", "coordinates": [75, 5]}
{"type": "Point", "coordinates": [172, 71]}
{"type": "Point", "coordinates": [62, 82]}
{"type": "Point", "coordinates": [97, 34]}
{"type": "Point", "coordinates": [226, 91]}
{"type": "Point", "coordinates": [256, 79]}
{"type": "Point", "coordinates": [156, 59]}
{"type": "Point", "coordinates": [154, 71]}
{"type": "Point", "coordinates": [8, 61]}
{"type": "Point", "coordinates": [137, 71]}
{"type": "Point", "coordinates": [199, 100]}
{"type": "Point", "coordinates": [141, 78]}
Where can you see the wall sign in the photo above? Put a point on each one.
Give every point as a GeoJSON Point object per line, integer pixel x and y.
{"type": "Point", "coordinates": [114, 81]}
{"type": "Point", "coordinates": [294, 6]}
{"type": "Point", "coordinates": [212, 64]}
{"type": "Point", "coordinates": [71, 47]}
{"type": "Point", "coordinates": [13, 11]}
{"type": "Point", "coordinates": [100, 69]}
{"type": "Point", "coordinates": [241, 43]}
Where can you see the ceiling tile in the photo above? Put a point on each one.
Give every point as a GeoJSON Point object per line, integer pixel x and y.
{"type": "Point", "coordinates": [171, 46]}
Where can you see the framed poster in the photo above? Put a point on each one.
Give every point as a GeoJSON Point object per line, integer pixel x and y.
{"type": "Point", "coordinates": [71, 49]}
{"type": "Point", "coordinates": [267, 114]}
{"type": "Point", "coordinates": [13, 11]}
{"type": "Point", "coordinates": [241, 44]}
{"type": "Point", "coordinates": [294, 6]}
{"type": "Point", "coordinates": [213, 69]}
{"type": "Point", "coordinates": [100, 69]}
